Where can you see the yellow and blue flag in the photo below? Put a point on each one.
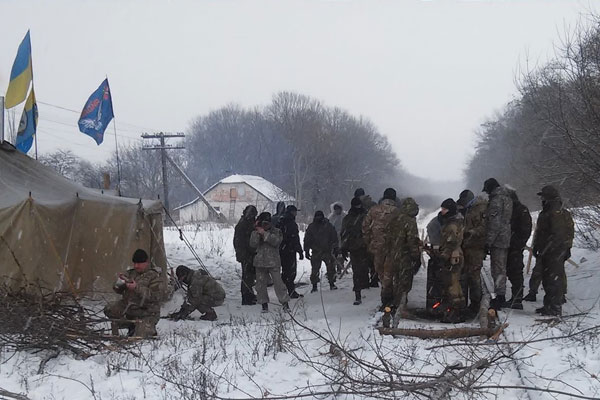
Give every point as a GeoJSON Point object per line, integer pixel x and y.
{"type": "Point", "coordinates": [20, 75]}
{"type": "Point", "coordinates": [28, 124]}
{"type": "Point", "coordinates": [97, 113]}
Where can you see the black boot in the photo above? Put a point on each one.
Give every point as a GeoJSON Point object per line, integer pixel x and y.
{"type": "Point", "coordinates": [249, 299]}
{"type": "Point", "coordinates": [265, 308]}
{"type": "Point", "coordinates": [295, 295]}
{"type": "Point", "coordinates": [531, 296]}
{"type": "Point", "coordinates": [314, 288]}
{"type": "Point", "coordinates": [332, 286]}
{"type": "Point", "coordinates": [358, 298]}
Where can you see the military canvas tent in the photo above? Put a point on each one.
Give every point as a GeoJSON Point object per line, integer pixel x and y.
{"type": "Point", "coordinates": [63, 236]}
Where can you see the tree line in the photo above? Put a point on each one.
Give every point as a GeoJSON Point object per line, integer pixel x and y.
{"type": "Point", "coordinates": [317, 153]}
{"type": "Point", "coordinates": [550, 134]}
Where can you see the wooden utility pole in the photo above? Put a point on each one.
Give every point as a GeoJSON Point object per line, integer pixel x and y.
{"type": "Point", "coordinates": [163, 147]}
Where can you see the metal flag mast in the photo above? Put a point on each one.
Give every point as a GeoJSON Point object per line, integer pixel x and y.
{"type": "Point", "coordinates": [116, 142]}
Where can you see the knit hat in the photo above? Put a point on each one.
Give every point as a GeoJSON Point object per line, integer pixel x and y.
{"type": "Point", "coordinates": [450, 205]}
{"type": "Point", "coordinates": [356, 203]}
{"type": "Point", "coordinates": [489, 185]}
{"type": "Point", "coordinates": [139, 256]}
{"type": "Point", "coordinates": [291, 208]}
{"type": "Point", "coordinates": [264, 216]}
{"type": "Point", "coordinates": [465, 198]}
{"type": "Point", "coordinates": [389, 194]}
{"type": "Point", "coordinates": [182, 271]}
{"type": "Point", "coordinates": [359, 192]}
{"type": "Point", "coordinates": [549, 192]}
{"type": "Point", "coordinates": [319, 214]}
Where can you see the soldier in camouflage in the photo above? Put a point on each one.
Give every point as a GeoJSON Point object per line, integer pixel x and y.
{"type": "Point", "coordinates": [474, 249]}
{"type": "Point", "coordinates": [405, 252]}
{"type": "Point", "coordinates": [552, 244]}
{"type": "Point", "coordinates": [375, 234]}
{"type": "Point", "coordinates": [498, 235]}
{"type": "Point", "coordinates": [452, 259]}
{"type": "Point", "coordinates": [203, 293]}
{"type": "Point", "coordinates": [142, 289]}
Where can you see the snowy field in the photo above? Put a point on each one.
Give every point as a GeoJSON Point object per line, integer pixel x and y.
{"type": "Point", "coordinates": [314, 353]}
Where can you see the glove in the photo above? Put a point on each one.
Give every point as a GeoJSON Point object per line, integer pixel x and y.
{"type": "Point", "coordinates": [307, 254]}
{"type": "Point", "coordinates": [487, 249]}
{"type": "Point", "coordinates": [301, 255]}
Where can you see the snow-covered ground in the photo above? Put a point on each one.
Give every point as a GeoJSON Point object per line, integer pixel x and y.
{"type": "Point", "coordinates": [246, 354]}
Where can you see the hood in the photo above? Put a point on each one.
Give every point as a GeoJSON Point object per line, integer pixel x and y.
{"type": "Point", "coordinates": [339, 203]}
{"type": "Point", "coordinates": [409, 207]}
{"type": "Point", "coordinates": [280, 208]}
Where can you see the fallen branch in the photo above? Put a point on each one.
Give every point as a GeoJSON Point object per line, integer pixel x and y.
{"type": "Point", "coordinates": [451, 333]}
{"type": "Point", "coordinates": [11, 395]}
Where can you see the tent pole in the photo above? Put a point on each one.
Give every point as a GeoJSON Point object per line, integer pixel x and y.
{"type": "Point", "coordinates": [2, 119]}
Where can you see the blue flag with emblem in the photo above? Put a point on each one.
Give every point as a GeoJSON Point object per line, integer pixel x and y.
{"type": "Point", "coordinates": [28, 124]}
{"type": "Point", "coordinates": [97, 113]}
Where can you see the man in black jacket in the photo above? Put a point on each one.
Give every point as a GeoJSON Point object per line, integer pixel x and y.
{"type": "Point", "coordinates": [290, 246]}
{"type": "Point", "coordinates": [520, 226]}
{"type": "Point", "coordinates": [244, 254]}
{"type": "Point", "coordinates": [321, 238]}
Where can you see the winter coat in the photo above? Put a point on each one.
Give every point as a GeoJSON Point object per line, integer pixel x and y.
{"type": "Point", "coordinates": [352, 235]}
{"type": "Point", "coordinates": [148, 292]}
{"type": "Point", "coordinates": [520, 225]}
{"type": "Point", "coordinates": [434, 230]}
{"type": "Point", "coordinates": [499, 214]}
{"type": "Point", "coordinates": [201, 286]}
{"type": "Point", "coordinates": [452, 237]}
{"type": "Point", "coordinates": [476, 223]}
{"type": "Point", "coordinates": [367, 202]}
{"type": "Point", "coordinates": [279, 211]}
{"type": "Point", "coordinates": [555, 229]}
{"type": "Point", "coordinates": [291, 236]}
{"type": "Point", "coordinates": [267, 248]}
{"type": "Point", "coordinates": [321, 237]}
{"type": "Point", "coordinates": [336, 220]}
{"type": "Point", "coordinates": [402, 233]}
{"type": "Point", "coordinates": [241, 240]}
{"type": "Point", "coordinates": [376, 222]}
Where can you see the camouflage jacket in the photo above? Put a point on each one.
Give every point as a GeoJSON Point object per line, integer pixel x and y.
{"type": "Point", "coordinates": [241, 240]}
{"type": "Point", "coordinates": [476, 223]}
{"type": "Point", "coordinates": [267, 248]}
{"type": "Point", "coordinates": [452, 237]}
{"type": "Point", "coordinates": [149, 290]}
{"type": "Point", "coordinates": [352, 235]}
{"type": "Point", "coordinates": [376, 222]}
{"type": "Point", "coordinates": [321, 238]}
{"type": "Point", "coordinates": [201, 286]}
{"type": "Point", "coordinates": [499, 214]}
{"type": "Point", "coordinates": [403, 235]}
{"type": "Point", "coordinates": [555, 229]}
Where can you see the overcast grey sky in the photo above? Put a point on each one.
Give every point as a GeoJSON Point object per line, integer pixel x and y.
{"type": "Point", "coordinates": [427, 73]}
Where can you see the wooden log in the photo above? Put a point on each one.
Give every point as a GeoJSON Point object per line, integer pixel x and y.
{"type": "Point", "coordinates": [450, 333]}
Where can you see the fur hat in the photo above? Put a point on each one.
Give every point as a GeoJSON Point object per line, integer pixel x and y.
{"type": "Point", "coordinates": [139, 256]}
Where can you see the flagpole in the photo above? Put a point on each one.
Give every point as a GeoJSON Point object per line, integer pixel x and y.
{"type": "Point", "coordinates": [35, 133]}
{"type": "Point", "coordinates": [118, 162]}
{"type": "Point", "coordinates": [2, 119]}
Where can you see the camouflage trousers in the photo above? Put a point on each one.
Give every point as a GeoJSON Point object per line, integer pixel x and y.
{"type": "Point", "coordinates": [143, 321]}
{"type": "Point", "coordinates": [315, 262]}
{"type": "Point", "coordinates": [361, 261]}
{"type": "Point", "coordinates": [386, 268]}
{"type": "Point", "coordinates": [403, 281]}
{"type": "Point", "coordinates": [536, 277]}
{"type": "Point", "coordinates": [498, 263]}
{"type": "Point", "coordinates": [452, 294]}
{"type": "Point", "coordinates": [471, 275]}
{"type": "Point", "coordinates": [553, 278]}
{"type": "Point", "coordinates": [263, 275]}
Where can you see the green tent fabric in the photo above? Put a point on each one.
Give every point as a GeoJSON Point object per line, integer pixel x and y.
{"type": "Point", "coordinates": [59, 235]}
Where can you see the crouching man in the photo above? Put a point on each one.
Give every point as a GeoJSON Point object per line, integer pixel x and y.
{"type": "Point", "coordinates": [142, 289]}
{"type": "Point", "coordinates": [203, 293]}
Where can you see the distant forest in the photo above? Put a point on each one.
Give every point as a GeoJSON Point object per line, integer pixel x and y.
{"type": "Point", "coordinates": [318, 154]}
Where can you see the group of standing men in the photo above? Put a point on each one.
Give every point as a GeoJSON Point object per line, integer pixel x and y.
{"type": "Point", "coordinates": [383, 244]}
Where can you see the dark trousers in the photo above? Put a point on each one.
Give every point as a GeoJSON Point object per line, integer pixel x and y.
{"type": "Point", "coordinates": [536, 277]}
{"type": "Point", "coordinates": [315, 263]}
{"type": "Point", "coordinates": [361, 262]}
{"type": "Point", "coordinates": [434, 285]}
{"type": "Point", "coordinates": [514, 272]}
{"type": "Point", "coordinates": [554, 278]}
{"type": "Point", "coordinates": [248, 279]}
{"type": "Point", "coordinates": [289, 269]}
